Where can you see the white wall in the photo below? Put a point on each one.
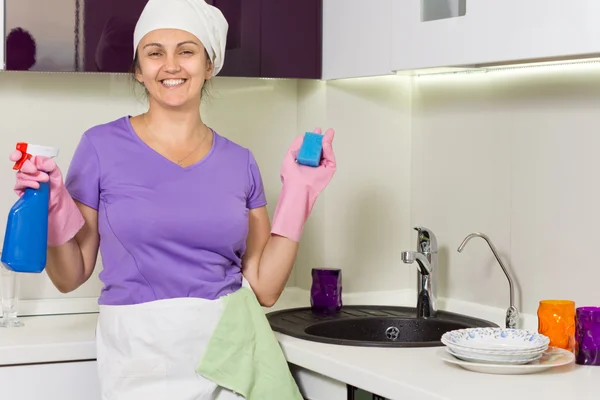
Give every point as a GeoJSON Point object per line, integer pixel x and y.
{"type": "Point", "coordinates": [55, 109]}
{"type": "Point", "coordinates": [513, 154]}
{"type": "Point", "coordinates": [509, 153]}
{"type": "Point", "coordinates": [364, 214]}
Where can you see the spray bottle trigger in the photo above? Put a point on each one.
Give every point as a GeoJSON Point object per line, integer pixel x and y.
{"type": "Point", "coordinates": [22, 147]}
{"type": "Point", "coordinates": [29, 150]}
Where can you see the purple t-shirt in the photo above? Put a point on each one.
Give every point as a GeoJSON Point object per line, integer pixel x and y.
{"type": "Point", "coordinates": [165, 231]}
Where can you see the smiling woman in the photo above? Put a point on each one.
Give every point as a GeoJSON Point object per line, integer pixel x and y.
{"type": "Point", "coordinates": [189, 51]}
{"type": "Point", "coordinates": [173, 66]}
{"type": "Point", "coordinates": [179, 215]}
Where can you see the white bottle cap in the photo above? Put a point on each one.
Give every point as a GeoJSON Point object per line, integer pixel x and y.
{"type": "Point", "coordinates": [45, 151]}
{"type": "Point", "coordinates": [29, 150]}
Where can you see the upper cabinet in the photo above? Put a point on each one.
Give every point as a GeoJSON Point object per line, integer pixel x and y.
{"type": "Point", "coordinates": [448, 33]}
{"type": "Point", "coordinates": [265, 38]}
{"type": "Point", "coordinates": [243, 51]}
{"type": "Point", "coordinates": [70, 35]}
{"type": "Point", "coordinates": [103, 29]}
{"type": "Point", "coordinates": [291, 38]}
{"type": "Point", "coordinates": [272, 38]}
{"type": "Point", "coordinates": [314, 39]}
{"type": "Point", "coordinates": [357, 38]}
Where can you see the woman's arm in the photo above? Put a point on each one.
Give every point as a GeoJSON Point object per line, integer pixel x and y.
{"type": "Point", "coordinates": [271, 252]}
{"type": "Point", "coordinates": [70, 265]}
{"type": "Point", "coordinates": [269, 259]}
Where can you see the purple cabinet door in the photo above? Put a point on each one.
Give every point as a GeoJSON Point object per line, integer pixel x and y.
{"type": "Point", "coordinates": [291, 39]}
{"type": "Point", "coordinates": [242, 55]}
{"type": "Point", "coordinates": [266, 38]}
{"type": "Point", "coordinates": [272, 38]}
{"type": "Point", "coordinates": [70, 36]}
{"type": "Point", "coordinates": [107, 34]}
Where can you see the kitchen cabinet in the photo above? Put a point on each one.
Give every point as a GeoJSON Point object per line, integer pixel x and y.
{"type": "Point", "coordinates": [442, 33]}
{"type": "Point", "coordinates": [106, 34]}
{"type": "Point", "coordinates": [266, 38]}
{"type": "Point", "coordinates": [272, 38]}
{"type": "Point", "coordinates": [291, 38]}
{"type": "Point", "coordinates": [70, 35]}
{"type": "Point", "coordinates": [79, 380]}
{"type": "Point", "coordinates": [357, 38]}
{"type": "Point", "coordinates": [243, 50]}
{"type": "Point", "coordinates": [314, 386]}
{"type": "Point", "coordinates": [313, 39]}
{"type": "Point", "coordinates": [55, 381]}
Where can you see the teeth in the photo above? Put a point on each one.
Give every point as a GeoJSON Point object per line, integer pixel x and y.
{"type": "Point", "coordinates": [173, 82]}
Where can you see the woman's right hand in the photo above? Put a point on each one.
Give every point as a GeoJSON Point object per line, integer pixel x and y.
{"type": "Point", "coordinates": [30, 175]}
{"type": "Point", "coordinates": [64, 217]}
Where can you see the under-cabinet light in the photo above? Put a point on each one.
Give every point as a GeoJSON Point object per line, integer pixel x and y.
{"type": "Point", "coordinates": [595, 62]}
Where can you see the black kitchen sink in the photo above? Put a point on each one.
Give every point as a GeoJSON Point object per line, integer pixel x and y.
{"type": "Point", "coordinates": [371, 326]}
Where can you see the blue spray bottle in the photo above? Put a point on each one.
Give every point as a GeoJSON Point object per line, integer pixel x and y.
{"type": "Point", "coordinates": [26, 237]}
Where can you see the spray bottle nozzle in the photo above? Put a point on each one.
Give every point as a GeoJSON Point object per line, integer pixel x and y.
{"type": "Point", "coordinates": [29, 150]}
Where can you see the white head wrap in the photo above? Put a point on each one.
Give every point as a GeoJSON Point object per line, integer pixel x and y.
{"type": "Point", "coordinates": [204, 21]}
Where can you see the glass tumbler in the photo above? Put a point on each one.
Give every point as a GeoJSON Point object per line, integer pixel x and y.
{"type": "Point", "coordinates": [326, 290]}
{"type": "Point", "coordinates": [587, 336]}
{"type": "Point", "coordinates": [556, 319]}
{"type": "Point", "coordinates": [9, 284]}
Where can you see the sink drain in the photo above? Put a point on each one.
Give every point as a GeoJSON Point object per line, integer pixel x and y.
{"type": "Point", "coordinates": [392, 333]}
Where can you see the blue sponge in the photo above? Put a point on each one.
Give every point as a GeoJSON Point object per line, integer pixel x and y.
{"type": "Point", "coordinates": [311, 150]}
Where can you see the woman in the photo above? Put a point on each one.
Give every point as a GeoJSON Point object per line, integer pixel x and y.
{"type": "Point", "coordinates": [178, 214]}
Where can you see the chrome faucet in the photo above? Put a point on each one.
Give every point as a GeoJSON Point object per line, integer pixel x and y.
{"type": "Point", "coordinates": [426, 257]}
{"type": "Point", "coordinates": [512, 314]}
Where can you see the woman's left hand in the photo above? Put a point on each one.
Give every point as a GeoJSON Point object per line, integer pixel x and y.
{"type": "Point", "coordinates": [301, 187]}
{"type": "Point", "coordinates": [313, 178]}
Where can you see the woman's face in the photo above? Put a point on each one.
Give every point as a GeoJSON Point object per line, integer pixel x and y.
{"type": "Point", "coordinates": [173, 66]}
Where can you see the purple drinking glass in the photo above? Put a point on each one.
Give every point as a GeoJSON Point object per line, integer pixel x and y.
{"type": "Point", "coordinates": [587, 335]}
{"type": "Point", "coordinates": [326, 290]}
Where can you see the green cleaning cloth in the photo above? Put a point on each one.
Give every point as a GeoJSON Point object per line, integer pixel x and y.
{"type": "Point", "coordinates": [243, 354]}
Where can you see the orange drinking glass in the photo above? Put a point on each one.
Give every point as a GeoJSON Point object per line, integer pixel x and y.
{"type": "Point", "coordinates": [556, 319]}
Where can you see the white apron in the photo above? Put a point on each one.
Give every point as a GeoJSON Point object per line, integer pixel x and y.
{"type": "Point", "coordinates": [151, 351]}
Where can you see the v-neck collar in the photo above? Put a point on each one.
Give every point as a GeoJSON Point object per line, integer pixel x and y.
{"type": "Point", "coordinates": [137, 138]}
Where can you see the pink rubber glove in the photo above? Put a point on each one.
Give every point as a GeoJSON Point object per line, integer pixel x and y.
{"type": "Point", "coordinates": [301, 187]}
{"type": "Point", "coordinates": [64, 217]}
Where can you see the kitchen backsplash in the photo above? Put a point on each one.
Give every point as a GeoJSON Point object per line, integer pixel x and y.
{"type": "Point", "coordinates": [365, 216]}
{"type": "Point", "coordinates": [513, 154]}
{"type": "Point", "coordinates": [509, 153]}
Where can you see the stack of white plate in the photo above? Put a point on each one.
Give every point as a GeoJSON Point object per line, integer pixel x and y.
{"type": "Point", "coordinates": [496, 345]}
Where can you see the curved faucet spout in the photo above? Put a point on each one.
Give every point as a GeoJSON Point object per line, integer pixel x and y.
{"type": "Point", "coordinates": [426, 306]}
{"type": "Point", "coordinates": [409, 257]}
{"type": "Point", "coordinates": [512, 314]}
{"type": "Point", "coordinates": [426, 257]}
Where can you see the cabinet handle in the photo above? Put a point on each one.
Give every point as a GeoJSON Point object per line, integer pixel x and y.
{"type": "Point", "coordinates": [352, 394]}
{"type": "Point", "coordinates": [351, 391]}
{"type": "Point", "coordinates": [432, 10]}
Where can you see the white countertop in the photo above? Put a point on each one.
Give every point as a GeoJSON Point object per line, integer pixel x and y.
{"type": "Point", "coordinates": [400, 373]}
